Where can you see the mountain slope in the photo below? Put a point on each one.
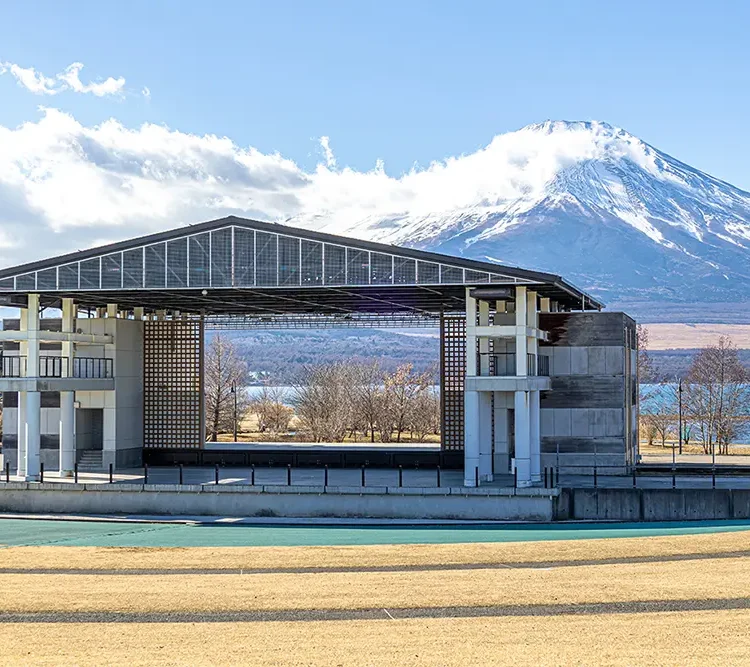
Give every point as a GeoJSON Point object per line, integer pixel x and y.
{"type": "Point", "coordinates": [590, 201]}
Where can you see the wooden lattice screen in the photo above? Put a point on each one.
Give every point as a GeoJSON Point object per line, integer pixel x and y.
{"type": "Point", "coordinates": [452, 377]}
{"type": "Point", "coordinates": [172, 384]}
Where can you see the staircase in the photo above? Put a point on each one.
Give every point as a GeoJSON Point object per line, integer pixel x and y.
{"type": "Point", "coordinates": [90, 460]}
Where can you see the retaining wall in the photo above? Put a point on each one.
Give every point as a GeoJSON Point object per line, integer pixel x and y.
{"type": "Point", "coordinates": [293, 501]}
{"type": "Point", "coordinates": [652, 504]}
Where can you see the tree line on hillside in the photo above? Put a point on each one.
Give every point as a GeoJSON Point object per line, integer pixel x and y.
{"type": "Point", "coordinates": [712, 399]}
{"type": "Point", "coordinates": [332, 401]}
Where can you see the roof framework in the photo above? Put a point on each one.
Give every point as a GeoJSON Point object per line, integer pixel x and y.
{"type": "Point", "coordinates": [238, 267]}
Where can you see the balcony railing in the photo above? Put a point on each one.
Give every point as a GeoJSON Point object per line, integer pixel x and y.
{"type": "Point", "coordinates": [503, 364]}
{"type": "Point", "coordinates": [57, 367]}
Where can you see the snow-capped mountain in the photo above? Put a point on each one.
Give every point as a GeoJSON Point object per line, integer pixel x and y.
{"type": "Point", "coordinates": [586, 200]}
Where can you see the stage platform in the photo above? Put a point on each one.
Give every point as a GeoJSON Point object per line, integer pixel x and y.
{"type": "Point", "coordinates": [301, 455]}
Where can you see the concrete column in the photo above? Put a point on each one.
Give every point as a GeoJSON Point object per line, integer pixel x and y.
{"type": "Point", "coordinates": [534, 439]}
{"type": "Point", "coordinates": [23, 320]}
{"type": "Point", "coordinates": [521, 340]}
{"type": "Point", "coordinates": [523, 450]}
{"type": "Point", "coordinates": [138, 313]}
{"type": "Point", "coordinates": [471, 437]}
{"type": "Point", "coordinates": [111, 310]}
{"type": "Point", "coordinates": [67, 398]}
{"type": "Point", "coordinates": [485, 436]}
{"type": "Point", "coordinates": [484, 342]}
{"type": "Point", "coordinates": [544, 304]}
{"type": "Point", "coordinates": [33, 398]}
{"type": "Point", "coordinates": [500, 447]}
{"type": "Point", "coordinates": [471, 339]}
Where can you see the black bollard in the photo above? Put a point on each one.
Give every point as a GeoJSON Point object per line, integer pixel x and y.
{"type": "Point", "coordinates": [7, 472]}
{"type": "Point", "coordinates": [595, 481]}
{"type": "Point", "coordinates": [363, 475]}
{"type": "Point", "coordinates": [438, 476]}
{"type": "Point", "coordinates": [545, 479]}
{"type": "Point", "coordinates": [674, 479]}
{"type": "Point", "coordinates": [41, 473]}
{"type": "Point", "coordinates": [216, 473]}
{"type": "Point", "coordinates": [325, 476]}
{"type": "Point", "coordinates": [713, 478]}
{"type": "Point", "coordinates": [180, 474]}
{"type": "Point", "coordinates": [635, 482]}
{"type": "Point", "coordinates": [252, 475]}
{"type": "Point", "coordinates": [476, 476]}
{"type": "Point", "coordinates": [145, 474]}
{"type": "Point", "coordinates": [75, 473]}
{"type": "Point", "coordinates": [400, 476]}
{"type": "Point", "coordinates": [111, 478]}
{"type": "Point", "coordinates": [288, 474]}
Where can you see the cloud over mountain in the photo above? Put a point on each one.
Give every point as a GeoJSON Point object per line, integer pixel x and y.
{"type": "Point", "coordinates": [69, 79]}
{"type": "Point", "coordinates": [585, 199]}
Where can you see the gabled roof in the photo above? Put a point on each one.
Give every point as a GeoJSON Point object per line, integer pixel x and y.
{"type": "Point", "coordinates": [251, 257]}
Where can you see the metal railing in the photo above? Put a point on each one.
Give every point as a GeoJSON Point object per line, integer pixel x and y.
{"type": "Point", "coordinates": [57, 367]}
{"type": "Point", "coordinates": [503, 364]}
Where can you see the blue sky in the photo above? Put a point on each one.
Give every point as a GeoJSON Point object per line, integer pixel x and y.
{"type": "Point", "coordinates": [405, 82]}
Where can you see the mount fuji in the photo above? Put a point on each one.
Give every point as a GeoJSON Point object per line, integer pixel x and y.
{"type": "Point", "coordinates": [625, 221]}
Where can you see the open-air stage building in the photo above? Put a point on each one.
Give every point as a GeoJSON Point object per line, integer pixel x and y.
{"type": "Point", "coordinates": [533, 372]}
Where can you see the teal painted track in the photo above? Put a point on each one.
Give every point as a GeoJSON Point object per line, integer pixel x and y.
{"type": "Point", "coordinates": [23, 532]}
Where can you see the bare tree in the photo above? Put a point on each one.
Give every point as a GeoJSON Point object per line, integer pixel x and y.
{"type": "Point", "coordinates": [270, 410]}
{"type": "Point", "coordinates": [718, 395]}
{"type": "Point", "coordinates": [661, 413]}
{"type": "Point", "coordinates": [225, 373]}
{"type": "Point", "coordinates": [367, 398]}
{"type": "Point", "coordinates": [400, 389]}
{"type": "Point", "coordinates": [646, 372]}
{"type": "Point", "coordinates": [323, 399]}
{"type": "Point", "coordinates": [424, 415]}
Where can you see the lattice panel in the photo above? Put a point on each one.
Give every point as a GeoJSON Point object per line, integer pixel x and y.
{"type": "Point", "coordinates": [172, 379]}
{"type": "Point", "coordinates": [452, 379]}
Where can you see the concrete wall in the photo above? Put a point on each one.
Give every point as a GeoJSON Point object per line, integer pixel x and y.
{"type": "Point", "coordinates": [296, 501]}
{"type": "Point", "coordinates": [652, 504]}
{"type": "Point", "coordinates": [588, 418]}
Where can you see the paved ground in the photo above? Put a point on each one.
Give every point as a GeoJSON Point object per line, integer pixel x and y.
{"type": "Point", "coordinates": [19, 532]}
{"type": "Point", "coordinates": [422, 478]}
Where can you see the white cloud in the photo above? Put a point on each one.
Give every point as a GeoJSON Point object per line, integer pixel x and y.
{"type": "Point", "coordinates": [68, 79]}
{"type": "Point", "coordinates": [146, 92]}
{"type": "Point", "coordinates": [325, 144]}
{"type": "Point", "coordinates": [65, 186]}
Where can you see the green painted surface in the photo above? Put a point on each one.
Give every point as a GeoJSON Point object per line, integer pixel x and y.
{"type": "Point", "coordinates": [22, 532]}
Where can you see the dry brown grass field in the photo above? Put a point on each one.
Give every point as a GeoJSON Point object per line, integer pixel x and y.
{"type": "Point", "coordinates": [584, 602]}
{"type": "Point", "coordinates": [690, 336]}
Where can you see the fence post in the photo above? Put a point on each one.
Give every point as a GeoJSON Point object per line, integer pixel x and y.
{"type": "Point", "coordinates": [635, 482]}
{"type": "Point", "coordinates": [180, 474]}
{"type": "Point", "coordinates": [400, 476]}
{"type": "Point", "coordinates": [363, 475]}
{"type": "Point", "coordinates": [216, 473]}
{"type": "Point", "coordinates": [7, 471]}
{"type": "Point", "coordinates": [713, 477]}
{"type": "Point", "coordinates": [515, 477]}
{"type": "Point", "coordinates": [595, 480]}
{"type": "Point", "coordinates": [288, 474]}
{"type": "Point", "coordinates": [476, 476]}
{"type": "Point", "coordinates": [674, 480]}
{"type": "Point", "coordinates": [325, 476]}
{"type": "Point", "coordinates": [545, 478]}
{"type": "Point", "coordinates": [75, 473]}
{"type": "Point", "coordinates": [145, 474]}
{"type": "Point", "coordinates": [557, 476]}
{"type": "Point", "coordinates": [41, 473]}
{"type": "Point", "coordinates": [438, 476]}
{"type": "Point", "coordinates": [111, 479]}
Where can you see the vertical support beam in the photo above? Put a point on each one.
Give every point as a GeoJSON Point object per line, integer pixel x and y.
{"type": "Point", "coordinates": [544, 304]}
{"type": "Point", "coordinates": [201, 376]}
{"type": "Point", "coordinates": [523, 449]}
{"type": "Point", "coordinates": [484, 341]}
{"type": "Point", "coordinates": [471, 398]}
{"type": "Point", "coordinates": [138, 312]}
{"type": "Point", "coordinates": [471, 437]}
{"type": "Point", "coordinates": [485, 435]}
{"type": "Point", "coordinates": [521, 340]}
{"type": "Point", "coordinates": [33, 398]}
{"type": "Point", "coordinates": [471, 338]}
{"type": "Point", "coordinates": [535, 444]}
{"type": "Point", "coordinates": [21, 430]}
{"type": "Point", "coordinates": [67, 398]}
{"type": "Point", "coordinates": [111, 310]}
